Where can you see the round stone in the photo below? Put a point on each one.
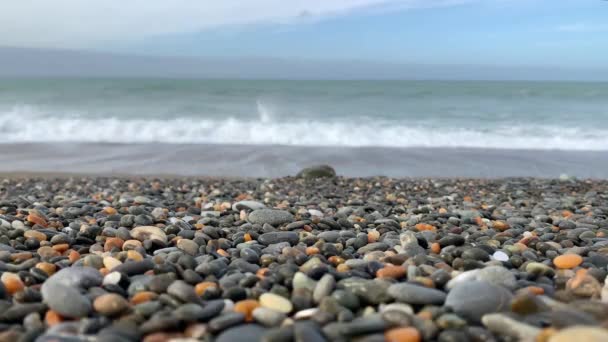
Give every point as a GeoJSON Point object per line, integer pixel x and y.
{"type": "Point", "coordinates": [406, 334]}
{"type": "Point", "coordinates": [317, 171]}
{"type": "Point", "coordinates": [268, 317]}
{"type": "Point", "coordinates": [34, 234]}
{"type": "Point", "coordinates": [188, 246]}
{"type": "Point", "coordinates": [66, 300]}
{"type": "Point", "coordinates": [276, 302]}
{"type": "Point", "coordinates": [567, 261]}
{"type": "Point", "coordinates": [498, 275]}
{"type": "Point", "coordinates": [414, 294]}
{"type": "Point", "coordinates": [270, 216]}
{"type": "Point", "coordinates": [110, 304]}
{"type": "Point", "coordinates": [247, 205]}
{"type": "Point", "coordinates": [474, 299]}
{"type": "Point", "coordinates": [143, 233]}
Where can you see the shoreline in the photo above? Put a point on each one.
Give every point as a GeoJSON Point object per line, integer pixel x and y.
{"type": "Point", "coordinates": [273, 161]}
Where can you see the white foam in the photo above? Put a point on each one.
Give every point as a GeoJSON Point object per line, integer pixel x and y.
{"type": "Point", "coordinates": [27, 124]}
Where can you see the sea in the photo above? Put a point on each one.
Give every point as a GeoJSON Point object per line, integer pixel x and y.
{"type": "Point", "coordinates": [272, 128]}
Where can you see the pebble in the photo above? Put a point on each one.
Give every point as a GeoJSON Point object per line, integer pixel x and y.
{"type": "Point", "coordinates": [143, 233]}
{"type": "Point", "coordinates": [270, 216]}
{"type": "Point", "coordinates": [567, 261]}
{"type": "Point", "coordinates": [66, 300]}
{"type": "Point", "coordinates": [268, 317]}
{"type": "Point", "coordinates": [188, 246]}
{"type": "Point", "coordinates": [405, 334]}
{"type": "Point", "coordinates": [110, 304]}
{"type": "Point", "coordinates": [415, 294]}
{"type": "Point", "coordinates": [507, 326]}
{"type": "Point", "coordinates": [476, 298]}
{"type": "Point", "coordinates": [324, 287]}
{"type": "Point", "coordinates": [317, 171]}
{"type": "Point", "coordinates": [497, 275]}
{"type": "Point", "coordinates": [277, 237]}
{"type": "Point", "coordinates": [276, 302]}
{"type": "Point", "coordinates": [247, 205]}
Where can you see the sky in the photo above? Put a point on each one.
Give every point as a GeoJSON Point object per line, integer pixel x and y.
{"type": "Point", "coordinates": [569, 34]}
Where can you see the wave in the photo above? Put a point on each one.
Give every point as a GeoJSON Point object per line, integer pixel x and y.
{"type": "Point", "coordinates": [24, 124]}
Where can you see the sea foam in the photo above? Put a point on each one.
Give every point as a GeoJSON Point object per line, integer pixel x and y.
{"type": "Point", "coordinates": [22, 124]}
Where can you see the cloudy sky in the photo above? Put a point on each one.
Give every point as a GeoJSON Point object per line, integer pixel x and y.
{"type": "Point", "coordinates": [558, 33]}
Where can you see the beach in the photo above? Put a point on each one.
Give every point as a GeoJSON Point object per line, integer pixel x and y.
{"type": "Point", "coordinates": [307, 258]}
{"type": "Point", "coordinates": [247, 161]}
{"type": "Point", "coordinates": [186, 210]}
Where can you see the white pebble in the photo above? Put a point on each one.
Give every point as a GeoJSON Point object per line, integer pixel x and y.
{"type": "Point", "coordinates": [500, 256]}
{"type": "Point", "coordinates": [306, 313]}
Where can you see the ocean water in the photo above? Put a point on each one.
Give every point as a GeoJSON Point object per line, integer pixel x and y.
{"type": "Point", "coordinates": [390, 114]}
{"type": "Point", "coordinates": [275, 128]}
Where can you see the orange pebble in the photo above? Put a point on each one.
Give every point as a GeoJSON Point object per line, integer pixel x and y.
{"type": "Point", "coordinates": [34, 234]}
{"type": "Point", "coordinates": [342, 268]}
{"type": "Point", "coordinates": [13, 284]}
{"type": "Point", "coordinates": [131, 244]}
{"type": "Point", "coordinates": [500, 225]}
{"type": "Point", "coordinates": [246, 307]}
{"type": "Point", "coordinates": [62, 247]}
{"type": "Point", "coordinates": [425, 226]}
{"type": "Point", "coordinates": [200, 288]}
{"type": "Point", "coordinates": [578, 279]}
{"type": "Point", "coordinates": [373, 236]}
{"type": "Point", "coordinates": [134, 255]}
{"type": "Point", "coordinates": [21, 256]}
{"type": "Point", "coordinates": [35, 219]}
{"type": "Point", "coordinates": [567, 261]}
{"type": "Point", "coordinates": [425, 281]}
{"type": "Point", "coordinates": [336, 260]}
{"type": "Point", "coordinates": [535, 290]}
{"type": "Point", "coordinates": [391, 271]}
{"type": "Point", "coordinates": [109, 210]}
{"type": "Point", "coordinates": [73, 256]}
{"type": "Point", "coordinates": [567, 213]}
{"type": "Point", "coordinates": [52, 318]}
{"type": "Point", "coordinates": [222, 253]}
{"type": "Point", "coordinates": [143, 296]}
{"type": "Point", "coordinates": [467, 199]}
{"type": "Point", "coordinates": [443, 211]}
{"type": "Point", "coordinates": [312, 250]}
{"type": "Point", "coordinates": [112, 243]}
{"type": "Point", "coordinates": [435, 248]}
{"type": "Point", "coordinates": [402, 335]}
{"type": "Point", "coordinates": [47, 267]}
{"type": "Point", "coordinates": [247, 237]}
{"type": "Point", "coordinates": [261, 273]}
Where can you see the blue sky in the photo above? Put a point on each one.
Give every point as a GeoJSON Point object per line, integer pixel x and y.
{"type": "Point", "coordinates": [556, 33]}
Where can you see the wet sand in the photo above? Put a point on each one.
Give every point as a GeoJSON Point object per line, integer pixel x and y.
{"type": "Point", "coordinates": [278, 161]}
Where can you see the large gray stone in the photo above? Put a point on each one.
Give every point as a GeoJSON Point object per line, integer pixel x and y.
{"type": "Point", "coordinates": [414, 294]}
{"type": "Point", "coordinates": [66, 300]}
{"type": "Point", "coordinates": [317, 171]}
{"type": "Point", "coordinates": [270, 216]}
{"type": "Point", "coordinates": [474, 299]}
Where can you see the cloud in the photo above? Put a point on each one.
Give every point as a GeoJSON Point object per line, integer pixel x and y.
{"type": "Point", "coordinates": [582, 28]}
{"type": "Point", "coordinates": [82, 23]}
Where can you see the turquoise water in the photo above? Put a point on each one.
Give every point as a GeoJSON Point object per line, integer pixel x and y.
{"type": "Point", "coordinates": [526, 115]}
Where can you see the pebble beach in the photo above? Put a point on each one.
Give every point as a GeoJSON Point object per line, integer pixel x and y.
{"type": "Point", "coordinates": [316, 257]}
